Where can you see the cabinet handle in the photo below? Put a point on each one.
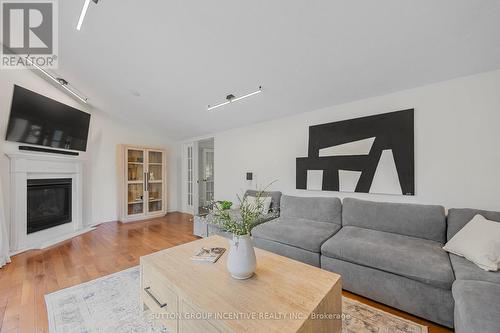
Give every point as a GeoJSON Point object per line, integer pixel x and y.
{"type": "Point", "coordinates": [147, 290]}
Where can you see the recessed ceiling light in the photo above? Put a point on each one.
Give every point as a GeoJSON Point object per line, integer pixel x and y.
{"type": "Point", "coordinates": [231, 98]}
{"type": "Point", "coordinates": [83, 13]}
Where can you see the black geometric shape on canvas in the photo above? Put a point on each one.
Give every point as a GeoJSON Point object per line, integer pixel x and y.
{"type": "Point", "coordinates": [394, 131]}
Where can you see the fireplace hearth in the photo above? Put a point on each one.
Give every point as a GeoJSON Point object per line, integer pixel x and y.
{"type": "Point", "coordinates": [48, 203]}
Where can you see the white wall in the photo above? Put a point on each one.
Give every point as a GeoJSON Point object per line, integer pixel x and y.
{"type": "Point", "coordinates": [457, 144]}
{"type": "Point", "coordinates": [106, 133]}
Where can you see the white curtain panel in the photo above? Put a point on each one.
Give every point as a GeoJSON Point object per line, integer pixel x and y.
{"type": "Point", "coordinates": [4, 238]}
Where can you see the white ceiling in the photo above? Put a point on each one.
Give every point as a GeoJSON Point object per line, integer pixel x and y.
{"type": "Point", "coordinates": [182, 55]}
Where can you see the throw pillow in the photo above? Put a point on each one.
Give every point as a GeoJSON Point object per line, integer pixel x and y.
{"type": "Point", "coordinates": [478, 241]}
{"type": "Point", "coordinates": [266, 203]}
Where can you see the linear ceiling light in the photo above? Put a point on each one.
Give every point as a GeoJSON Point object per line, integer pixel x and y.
{"type": "Point", "coordinates": [231, 98]}
{"type": "Point", "coordinates": [63, 83]}
{"type": "Point", "coordinates": [83, 13]}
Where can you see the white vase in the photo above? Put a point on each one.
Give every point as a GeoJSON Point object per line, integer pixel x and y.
{"type": "Point", "coordinates": [241, 261]}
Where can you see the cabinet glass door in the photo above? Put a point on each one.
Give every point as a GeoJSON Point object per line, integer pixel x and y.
{"type": "Point", "coordinates": [155, 181]}
{"type": "Point", "coordinates": [135, 181]}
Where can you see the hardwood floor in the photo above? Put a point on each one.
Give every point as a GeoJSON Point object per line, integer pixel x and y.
{"type": "Point", "coordinates": [110, 248]}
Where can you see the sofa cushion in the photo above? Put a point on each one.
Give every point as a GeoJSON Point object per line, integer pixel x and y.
{"type": "Point", "coordinates": [301, 233]}
{"type": "Point", "coordinates": [275, 198]}
{"type": "Point", "coordinates": [421, 221]}
{"type": "Point", "coordinates": [458, 218]}
{"type": "Point", "coordinates": [477, 308]}
{"type": "Point", "coordinates": [316, 209]}
{"type": "Point", "coordinates": [466, 270]}
{"type": "Point", "coordinates": [420, 299]}
{"type": "Point", "coordinates": [415, 258]}
{"type": "Point", "coordinates": [292, 252]}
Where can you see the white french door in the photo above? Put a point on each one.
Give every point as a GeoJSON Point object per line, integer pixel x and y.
{"type": "Point", "coordinates": [189, 178]}
{"type": "Point", "coordinates": [207, 194]}
{"type": "Point", "coordinates": [197, 176]}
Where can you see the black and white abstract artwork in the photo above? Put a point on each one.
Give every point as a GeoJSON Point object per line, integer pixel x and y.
{"type": "Point", "coordinates": [372, 154]}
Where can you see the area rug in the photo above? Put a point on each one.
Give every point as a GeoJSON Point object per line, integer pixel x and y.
{"type": "Point", "coordinates": [110, 304]}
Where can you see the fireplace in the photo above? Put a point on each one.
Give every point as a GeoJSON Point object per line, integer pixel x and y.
{"type": "Point", "coordinates": [49, 203]}
{"type": "Point", "coordinates": [46, 190]}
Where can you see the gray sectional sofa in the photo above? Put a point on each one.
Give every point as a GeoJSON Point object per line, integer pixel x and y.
{"type": "Point", "coordinates": [391, 253]}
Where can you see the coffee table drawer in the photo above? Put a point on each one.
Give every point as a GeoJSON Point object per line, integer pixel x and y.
{"type": "Point", "coordinates": [159, 298]}
{"type": "Point", "coordinates": [188, 324]}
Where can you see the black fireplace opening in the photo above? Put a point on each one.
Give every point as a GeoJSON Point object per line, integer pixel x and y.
{"type": "Point", "coordinates": [49, 203]}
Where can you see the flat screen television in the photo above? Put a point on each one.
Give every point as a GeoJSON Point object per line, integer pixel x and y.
{"type": "Point", "coordinates": [39, 120]}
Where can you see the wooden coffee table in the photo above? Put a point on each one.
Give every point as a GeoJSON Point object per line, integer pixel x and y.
{"type": "Point", "coordinates": [283, 296]}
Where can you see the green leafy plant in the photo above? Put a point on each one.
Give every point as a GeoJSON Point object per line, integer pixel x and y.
{"type": "Point", "coordinates": [225, 205]}
{"type": "Point", "coordinates": [250, 215]}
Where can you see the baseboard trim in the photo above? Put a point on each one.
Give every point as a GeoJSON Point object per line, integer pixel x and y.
{"type": "Point", "coordinates": [182, 212]}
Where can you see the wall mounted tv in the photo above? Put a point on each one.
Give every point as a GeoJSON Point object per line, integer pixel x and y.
{"type": "Point", "coordinates": [39, 120]}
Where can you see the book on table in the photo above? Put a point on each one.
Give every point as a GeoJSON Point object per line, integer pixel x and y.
{"type": "Point", "coordinates": [211, 254]}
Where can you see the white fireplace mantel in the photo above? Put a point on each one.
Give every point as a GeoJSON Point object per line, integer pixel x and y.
{"type": "Point", "coordinates": [24, 166]}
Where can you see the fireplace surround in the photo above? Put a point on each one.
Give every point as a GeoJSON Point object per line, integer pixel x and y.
{"type": "Point", "coordinates": [46, 200]}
